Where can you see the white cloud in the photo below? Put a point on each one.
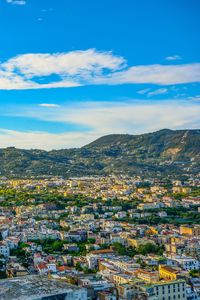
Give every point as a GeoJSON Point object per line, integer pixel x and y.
{"type": "Point", "coordinates": [150, 93]}
{"type": "Point", "coordinates": [73, 63]}
{"type": "Point", "coordinates": [158, 92]}
{"type": "Point", "coordinates": [154, 74]}
{"type": "Point", "coordinates": [103, 118]}
{"type": "Point", "coordinates": [16, 2]}
{"type": "Point", "coordinates": [144, 91]}
{"type": "Point", "coordinates": [48, 105]}
{"type": "Point", "coordinates": [39, 140]}
{"type": "Point", "coordinates": [88, 67]}
{"type": "Point", "coordinates": [12, 81]}
{"type": "Point", "coordinates": [73, 69]}
{"type": "Point", "coordinates": [173, 57]}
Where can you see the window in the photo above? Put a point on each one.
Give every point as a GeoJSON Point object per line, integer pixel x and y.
{"type": "Point", "coordinates": [163, 288]}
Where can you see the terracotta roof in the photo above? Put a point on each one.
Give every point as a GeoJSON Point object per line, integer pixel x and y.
{"type": "Point", "coordinates": [169, 269]}
{"type": "Point", "coordinates": [102, 251]}
{"type": "Point", "coordinates": [41, 266]}
{"type": "Point", "coordinates": [64, 268]}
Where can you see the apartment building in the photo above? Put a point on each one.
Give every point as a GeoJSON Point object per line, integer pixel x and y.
{"type": "Point", "coordinates": [168, 290]}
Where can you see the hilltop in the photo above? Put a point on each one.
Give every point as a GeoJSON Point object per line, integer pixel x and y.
{"type": "Point", "coordinates": [164, 151]}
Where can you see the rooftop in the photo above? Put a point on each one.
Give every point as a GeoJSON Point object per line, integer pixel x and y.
{"type": "Point", "coordinates": [32, 287]}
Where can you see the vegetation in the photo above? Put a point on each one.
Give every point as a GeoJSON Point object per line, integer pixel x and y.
{"type": "Point", "coordinates": [144, 249]}
{"type": "Point", "coordinates": [195, 273]}
{"type": "Point", "coordinates": [110, 154]}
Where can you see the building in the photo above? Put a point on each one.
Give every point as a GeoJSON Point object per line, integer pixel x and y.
{"type": "Point", "coordinates": [121, 278]}
{"type": "Point", "coordinates": [187, 263]}
{"type": "Point", "coordinates": [167, 273]}
{"type": "Point", "coordinates": [149, 205]}
{"type": "Point", "coordinates": [126, 291]}
{"type": "Point", "coordinates": [94, 285]}
{"type": "Point", "coordinates": [190, 230]}
{"type": "Point", "coordinates": [15, 269]}
{"type": "Point", "coordinates": [181, 189]}
{"type": "Point", "coordinates": [132, 291]}
{"type": "Point", "coordinates": [167, 290]}
{"type": "Point", "coordinates": [4, 249]}
{"type": "Point", "coordinates": [147, 275]}
{"type": "Point", "coordinates": [39, 287]}
{"type": "Point", "coordinates": [106, 296]}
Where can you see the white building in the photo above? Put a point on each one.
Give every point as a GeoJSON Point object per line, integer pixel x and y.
{"type": "Point", "coordinates": [192, 294]}
{"type": "Point", "coordinates": [187, 263]}
{"type": "Point", "coordinates": [4, 249]}
{"type": "Point", "coordinates": [168, 290]}
{"type": "Point", "coordinates": [92, 260]}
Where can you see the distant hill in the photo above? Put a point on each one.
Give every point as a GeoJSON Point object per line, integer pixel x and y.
{"type": "Point", "coordinates": [165, 151]}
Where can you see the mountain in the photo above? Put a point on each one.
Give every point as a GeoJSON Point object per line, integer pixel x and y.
{"type": "Point", "coordinates": [165, 152]}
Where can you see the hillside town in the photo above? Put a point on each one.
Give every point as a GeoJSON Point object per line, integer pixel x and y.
{"type": "Point", "coordinates": [103, 238]}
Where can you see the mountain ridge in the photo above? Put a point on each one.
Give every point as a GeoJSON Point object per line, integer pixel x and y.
{"type": "Point", "coordinates": [165, 151]}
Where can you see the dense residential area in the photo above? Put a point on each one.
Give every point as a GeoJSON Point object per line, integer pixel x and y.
{"type": "Point", "coordinates": [99, 150]}
{"type": "Point", "coordinates": [100, 237]}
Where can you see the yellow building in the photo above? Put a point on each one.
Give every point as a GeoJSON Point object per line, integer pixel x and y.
{"type": "Point", "coordinates": [121, 278]}
{"type": "Point", "coordinates": [147, 275]}
{"type": "Point", "coordinates": [152, 230]}
{"type": "Point", "coordinates": [137, 242]}
{"type": "Point", "coordinates": [167, 273]}
{"type": "Point", "coordinates": [181, 189]}
{"type": "Point", "coordinates": [175, 240]}
{"type": "Point", "coordinates": [133, 242]}
{"type": "Point", "coordinates": [190, 230]}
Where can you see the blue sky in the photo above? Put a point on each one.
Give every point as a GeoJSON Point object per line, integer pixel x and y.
{"type": "Point", "coordinates": [72, 71]}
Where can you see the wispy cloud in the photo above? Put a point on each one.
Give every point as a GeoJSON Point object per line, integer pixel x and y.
{"type": "Point", "coordinates": [158, 92]}
{"type": "Point", "coordinates": [16, 2]}
{"type": "Point", "coordinates": [144, 91]}
{"type": "Point", "coordinates": [154, 74]}
{"type": "Point", "coordinates": [39, 140]}
{"type": "Point", "coordinates": [88, 67]}
{"type": "Point", "coordinates": [149, 92]}
{"type": "Point", "coordinates": [173, 57]}
{"type": "Point", "coordinates": [48, 105]}
{"type": "Point", "coordinates": [103, 118]}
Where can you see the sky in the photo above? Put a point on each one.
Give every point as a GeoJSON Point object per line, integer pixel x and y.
{"type": "Point", "coordinates": [72, 70]}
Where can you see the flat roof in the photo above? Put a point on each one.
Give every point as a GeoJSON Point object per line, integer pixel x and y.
{"type": "Point", "coordinates": [32, 287]}
{"type": "Point", "coordinates": [165, 283]}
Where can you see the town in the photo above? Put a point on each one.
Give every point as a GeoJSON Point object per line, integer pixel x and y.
{"type": "Point", "coordinates": [100, 237]}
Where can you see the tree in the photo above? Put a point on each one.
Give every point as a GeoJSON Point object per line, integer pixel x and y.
{"type": "Point", "coordinates": [147, 248]}
{"type": "Point", "coordinates": [194, 273]}
{"type": "Point", "coordinates": [122, 250]}
{"type": "Point", "coordinates": [78, 267]}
